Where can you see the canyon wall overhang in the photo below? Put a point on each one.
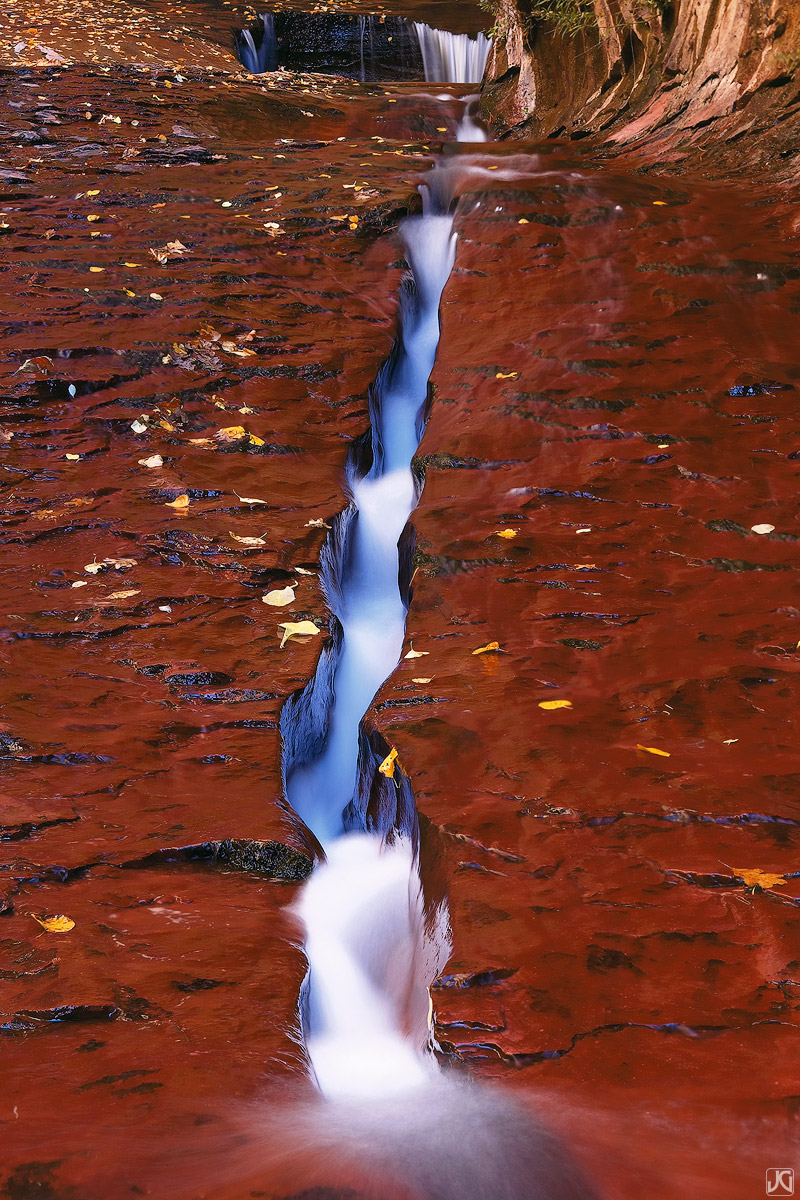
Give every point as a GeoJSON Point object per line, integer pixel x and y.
{"type": "Point", "coordinates": [716, 80]}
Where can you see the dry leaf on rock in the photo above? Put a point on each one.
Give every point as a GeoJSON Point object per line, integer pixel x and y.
{"type": "Point", "coordinates": [249, 499]}
{"type": "Point", "coordinates": [487, 648]}
{"type": "Point", "coordinates": [155, 460]}
{"type": "Point", "coordinates": [550, 705]}
{"type": "Point", "coordinates": [181, 501]}
{"type": "Point", "coordinates": [247, 541]}
{"type": "Point", "coordinates": [653, 750]}
{"type": "Point", "coordinates": [279, 597]}
{"type": "Point", "coordinates": [760, 879]}
{"type": "Point", "coordinates": [55, 923]}
{"type": "Point", "coordinates": [293, 629]}
{"type": "Point", "coordinates": [387, 766]}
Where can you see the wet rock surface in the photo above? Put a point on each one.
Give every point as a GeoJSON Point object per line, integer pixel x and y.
{"type": "Point", "coordinates": [616, 387]}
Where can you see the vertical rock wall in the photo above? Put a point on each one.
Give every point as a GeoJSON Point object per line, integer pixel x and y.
{"type": "Point", "coordinates": [675, 75]}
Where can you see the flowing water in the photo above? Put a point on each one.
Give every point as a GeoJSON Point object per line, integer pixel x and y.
{"type": "Point", "coordinates": [367, 47]}
{"type": "Point", "coordinates": [612, 413]}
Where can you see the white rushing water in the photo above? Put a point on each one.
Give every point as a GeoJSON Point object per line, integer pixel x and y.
{"type": "Point", "coordinates": [375, 941]}
{"type": "Point", "coordinates": [452, 57]}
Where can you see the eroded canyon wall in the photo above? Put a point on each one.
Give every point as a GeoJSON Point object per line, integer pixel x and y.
{"type": "Point", "coordinates": [674, 78]}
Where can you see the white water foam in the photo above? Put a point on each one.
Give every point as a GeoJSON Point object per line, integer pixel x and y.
{"type": "Point", "coordinates": [372, 959]}
{"type": "Point", "coordinates": [452, 57]}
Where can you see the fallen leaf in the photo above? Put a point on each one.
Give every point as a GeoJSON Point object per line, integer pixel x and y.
{"type": "Point", "coordinates": [155, 460]}
{"type": "Point", "coordinates": [232, 433]}
{"type": "Point", "coordinates": [510, 375]}
{"type": "Point", "coordinates": [124, 595]}
{"type": "Point", "coordinates": [73, 457]}
{"type": "Point", "coordinates": [485, 649]}
{"type": "Point", "coordinates": [249, 499]}
{"type": "Point", "coordinates": [81, 583]}
{"type": "Point", "coordinates": [653, 750]}
{"type": "Point", "coordinates": [422, 679]}
{"type": "Point", "coordinates": [586, 567]}
{"type": "Point", "coordinates": [316, 523]}
{"type": "Point", "coordinates": [387, 766]}
{"type": "Point", "coordinates": [753, 877]}
{"type": "Point", "coordinates": [57, 923]}
{"type": "Point", "coordinates": [279, 598]}
{"type": "Point", "coordinates": [303, 571]}
{"type": "Point", "coordinates": [181, 501]}
{"type": "Point", "coordinates": [416, 653]}
{"type": "Point", "coordinates": [507, 533]}
{"type": "Point", "coordinates": [762, 528]}
{"type": "Point", "coordinates": [292, 629]}
{"type": "Point", "coordinates": [553, 704]}
{"type": "Point", "coordinates": [156, 296]}
{"type": "Point", "coordinates": [247, 541]}
{"type": "Point", "coordinates": [119, 564]}
{"type": "Point", "coordinates": [239, 351]}
{"type": "Point", "coordinates": [138, 427]}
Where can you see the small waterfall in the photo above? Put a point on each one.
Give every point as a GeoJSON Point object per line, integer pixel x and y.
{"type": "Point", "coordinates": [452, 57]}
{"type": "Point", "coordinates": [258, 53]}
{"type": "Point", "coordinates": [362, 47]}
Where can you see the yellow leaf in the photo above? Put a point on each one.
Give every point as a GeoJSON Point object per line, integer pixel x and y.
{"type": "Point", "coordinates": [660, 202]}
{"type": "Point", "coordinates": [507, 533]}
{"type": "Point", "coordinates": [761, 879]}
{"type": "Point", "coordinates": [128, 292]}
{"type": "Point", "coordinates": [416, 653]}
{"type": "Point", "coordinates": [510, 375]}
{"type": "Point", "coordinates": [73, 457]}
{"type": "Point", "coordinates": [232, 433]}
{"type": "Point", "coordinates": [93, 217]}
{"type": "Point", "coordinates": [586, 566]}
{"type": "Point", "coordinates": [279, 597]}
{"type": "Point", "coordinates": [247, 541]}
{"type": "Point", "coordinates": [57, 923]}
{"type": "Point", "coordinates": [96, 270]}
{"type": "Point", "coordinates": [93, 192]}
{"type": "Point", "coordinates": [255, 441]}
{"type": "Point", "coordinates": [485, 649]}
{"type": "Point", "coordinates": [421, 679]}
{"type": "Point", "coordinates": [292, 629]}
{"type": "Point", "coordinates": [124, 595]}
{"type": "Point", "coordinates": [155, 460]}
{"type": "Point", "coordinates": [552, 704]}
{"type": "Point", "coordinates": [387, 766]}
{"type": "Point", "coordinates": [179, 502]}
{"type": "Point", "coordinates": [653, 750]}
